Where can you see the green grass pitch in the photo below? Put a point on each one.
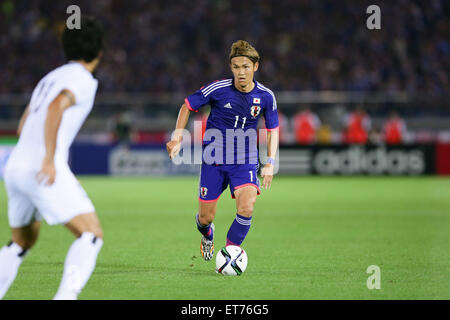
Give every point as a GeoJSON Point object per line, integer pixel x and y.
{"type": "Point", "coordinates": [311, 238]}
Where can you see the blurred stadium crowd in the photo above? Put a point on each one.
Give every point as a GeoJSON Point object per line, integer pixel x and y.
{"type": "Point", "coordinates": [176, 46]}
{"type": "Point", "coordinates": [165, 47]}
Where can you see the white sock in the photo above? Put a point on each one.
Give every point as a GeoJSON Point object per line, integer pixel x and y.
{"type": "Point", "coordinates": [79, 265]}
{"type": "Point", "coordinates": [11, 257]}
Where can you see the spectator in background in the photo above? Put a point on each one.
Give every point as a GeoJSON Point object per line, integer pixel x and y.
{"type": "Point", "coordinates": [394, 129]}
{"type": "Point", "coordinates": [306, 124]}
{"type": "Point", "coordinates": [121, 126]}
{"type": "Point", "coordinates": [358, 125]}
{"type": "Point", "coordinates": [376, 136]}
{"type": "Point", "coordinates": [325, 134]}
{"type": "Point", "coordinates": [410, 53]}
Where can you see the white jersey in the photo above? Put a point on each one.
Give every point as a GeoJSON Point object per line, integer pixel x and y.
{"type": "Point", "coordinates": [30, 149]}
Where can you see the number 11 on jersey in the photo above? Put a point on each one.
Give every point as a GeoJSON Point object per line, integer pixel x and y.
{"type": "Point", "coordinates": [237, 120]}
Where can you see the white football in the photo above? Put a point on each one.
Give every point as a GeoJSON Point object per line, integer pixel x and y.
{"type": "Point", "coordinates": [231, 261]}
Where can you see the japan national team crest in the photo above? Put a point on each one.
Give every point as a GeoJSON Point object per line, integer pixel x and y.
{"type": "Point", "coordinates": [203, 191]}
{"type": "Point", "coordinates": [254, 111]}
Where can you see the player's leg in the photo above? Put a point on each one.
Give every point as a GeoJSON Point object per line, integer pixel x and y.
{"type": "Point", "coordinates": [204, 220]}
{"type": "Point", "coordinates": [245, 200]}
{"type": "Point", "coordinates": [12, 255]}
{"type": "Point", "coordinates": [23, 220]}
{"type": "Point", "coordinates": [65, 202]}
{"type": "Point", "coordinates": [205, 217]}
{"type": "Point", "coordinates": [82, 255]}
{"type": "Point", "coordinates": [212, 184]}
{"type": "Point", "coordinates": [27, 236]}
{"type": "Point", "coordinates": [244, 186]}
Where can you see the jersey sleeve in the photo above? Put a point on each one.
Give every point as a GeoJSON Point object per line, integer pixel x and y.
{"type": "Point", "coordinates": [271, 114]}
{"type": "Point", "coordinates": [81, 86]}
{"type": "Point", "coordinates": [197, 100]}
{"type": "Point", "coordinates": [75, 89]}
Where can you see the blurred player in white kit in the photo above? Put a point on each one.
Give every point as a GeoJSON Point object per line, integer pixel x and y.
{"type": "Point", "coordinates": [38, 179]}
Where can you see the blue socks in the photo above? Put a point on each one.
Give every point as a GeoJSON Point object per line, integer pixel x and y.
{"type": "Point", "coordinates": [207, 231]}
{"type": "Point", "coordinates": [236, 234]}
{"type": "Point", "coordinates": [238, 230]}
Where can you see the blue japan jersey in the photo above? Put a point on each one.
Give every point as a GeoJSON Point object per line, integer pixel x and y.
{"type": "Point", "coordinates": [231, 130]}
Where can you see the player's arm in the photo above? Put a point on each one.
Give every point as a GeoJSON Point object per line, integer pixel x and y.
{"type": "Point", "coordinates": [173, 146]}
{"type": "Point", "coordinates": [272, 147]}
{"type": "Point", "coordinates": [23, 118]}
{"type": "Point", "coordinates": [272, 125]}
{"type": "Point", "coordinates": [63, 100]}
{"type": "Point", "coordinates": [192, 103]}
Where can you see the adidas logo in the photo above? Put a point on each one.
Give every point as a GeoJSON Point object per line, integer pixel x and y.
{"type": "Point", "coordinates": [228, 106]}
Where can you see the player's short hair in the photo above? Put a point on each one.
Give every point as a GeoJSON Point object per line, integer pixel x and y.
{"type": "Point", "coordinates": [242, 48]}
{"type": "Point", "coordinates": [84, 43]}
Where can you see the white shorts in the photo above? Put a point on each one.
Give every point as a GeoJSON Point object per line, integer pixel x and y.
{"type": "Point", "coordinates": [57, 204]}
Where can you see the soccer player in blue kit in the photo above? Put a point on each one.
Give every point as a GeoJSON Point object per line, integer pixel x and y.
{"type": "Point", "coordinates": [236, 105]}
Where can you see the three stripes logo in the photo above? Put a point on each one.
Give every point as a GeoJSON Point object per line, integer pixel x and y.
{"type": "Point", "coordinates": [215, 85]}
{"type": "Point", "coordinates": [244, 222]}
{"type": "Point", "coordinates": [228, 106]}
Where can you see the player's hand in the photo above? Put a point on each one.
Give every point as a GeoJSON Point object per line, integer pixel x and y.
{"type": "Point", "coordinates": [173, 148]}
{"type": "Point", "coordinates": [267, 175]}
{"type": "Point", "coordinates": [47, 174]}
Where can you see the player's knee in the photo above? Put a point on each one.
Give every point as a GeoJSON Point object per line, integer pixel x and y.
{"type": "Point", "coordinates": [245, 210]}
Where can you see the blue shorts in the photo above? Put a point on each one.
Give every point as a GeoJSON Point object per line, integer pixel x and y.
{"type": "Point", "coordinates": [214, 179]}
